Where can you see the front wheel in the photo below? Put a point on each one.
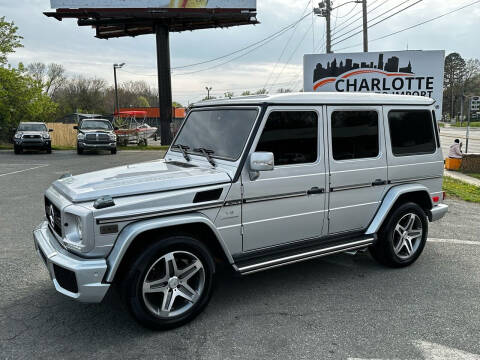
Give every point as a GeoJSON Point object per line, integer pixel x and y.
{"type": "Point", "coordinates": [403, 237]}
{"type": "Point", "coordinates": [17, 150]}
{"type": "Point", "coordinates": [170, 282]}
{"type": "Point", "coordinates": [113, 151]}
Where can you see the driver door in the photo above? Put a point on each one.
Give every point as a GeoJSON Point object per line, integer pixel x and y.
{"type": "Point", "coordinates": [286, 204]}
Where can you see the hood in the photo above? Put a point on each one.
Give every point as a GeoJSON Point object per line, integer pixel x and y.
{"type": "Point", "coordinates": [100, 131]}
{"type": "Point", "coordinates": [137, 179]}
{"type": "Point", "coordinates": [41, 133]}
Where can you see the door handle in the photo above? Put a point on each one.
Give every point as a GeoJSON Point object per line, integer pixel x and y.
{"type": "Point", "coordinates": [315, 190]}
{"type": "Point", "coordinates": [379, 182]}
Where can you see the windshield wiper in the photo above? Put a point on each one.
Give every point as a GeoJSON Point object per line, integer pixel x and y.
{"type": "Point", "coordinates": [208, 154]}
{"type": "Point", "coordinates": [183, 149]}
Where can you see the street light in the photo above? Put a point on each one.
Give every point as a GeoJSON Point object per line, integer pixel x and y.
{"type": "Point", "coordinates": [208, 91]}
{"type": "Point", "coordinates": [115, 67]}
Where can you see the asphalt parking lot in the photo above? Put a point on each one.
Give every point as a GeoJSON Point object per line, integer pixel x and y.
{"type": "Point", "coordinates": [338, 307]}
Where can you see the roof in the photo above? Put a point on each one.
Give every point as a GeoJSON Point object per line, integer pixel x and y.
{"type": "Point", "coordinates": [323, 98]}
{"type": "Point", "coordinates": [32, 122]}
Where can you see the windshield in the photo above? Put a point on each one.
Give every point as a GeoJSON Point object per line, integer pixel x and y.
{"type": "Point", "coordinates": [96, 125]}
{"type": "Point", "coordinates": [32, 127]}
{"type": "Point", "coordinates": [222, 131]}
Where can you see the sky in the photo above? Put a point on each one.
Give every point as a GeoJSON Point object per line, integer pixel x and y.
{"type": "Point", "coordinates": [275, 65]}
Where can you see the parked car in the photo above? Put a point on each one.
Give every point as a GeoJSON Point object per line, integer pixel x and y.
{"type": "Point", "coordinates": [96, 134]}
{"type": "Point", "coordinates": [32, 136]}
{"type": "Point", "coordinates": [255, 183]}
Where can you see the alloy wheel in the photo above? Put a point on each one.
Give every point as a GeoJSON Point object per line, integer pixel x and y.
{"type": "Point", "coordinates": [407, 236]}
{"type": "Point", "coordinates": [173, 284]}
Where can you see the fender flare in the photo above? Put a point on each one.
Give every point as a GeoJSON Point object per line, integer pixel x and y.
{"type": "Point", "coordinates": [389, 200]}
{"type": "Point", "coordinates": [131, 232]}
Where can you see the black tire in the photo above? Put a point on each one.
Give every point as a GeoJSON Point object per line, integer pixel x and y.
{"type": "Point", "coordinates": [384, 249]}
{"type": "Point", "coordinates": [113, 151]}
{"type": "Point", "coordinates": [49, 150]}
{"type": "Point", "coordinates": [132, 282]}
{"type": "Point", "coordinates": [79, 151]}
{"type": "Point", "coordinates": [17, 150]}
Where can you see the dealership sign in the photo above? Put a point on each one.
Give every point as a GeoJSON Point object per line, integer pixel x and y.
{"type": "Point", "coordinates": [397, 72]}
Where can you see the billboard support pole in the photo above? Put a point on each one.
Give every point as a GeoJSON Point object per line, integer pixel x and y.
{"type": "Point", "coordinates": [468, 124]}
{"type": "Point", "coordinates": [164, 83]}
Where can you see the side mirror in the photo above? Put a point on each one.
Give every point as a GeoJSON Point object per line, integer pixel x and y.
{"type": "Point", "coordinates": [260, 161]}
{"type": "Point", "coordinates": [50, 130]}
{"type": "Point", "coordinates": [75, 127]}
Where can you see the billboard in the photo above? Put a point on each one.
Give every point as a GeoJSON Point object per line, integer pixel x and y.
{"type": "Point", "coordinates": [387, 72]}
{"type": "Point", "coordinates": [171, 4]}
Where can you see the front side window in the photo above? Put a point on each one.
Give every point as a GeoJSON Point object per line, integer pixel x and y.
{"type": "Point", "coordinates": [292, 137]}
{"type": "Point", "coordinates": [223, 132]}
{"type": "Point", "coordinates": [32, 127]}
{"type": "Point", "coordinates": [411, 132]}
{"type": "Point", "coordinates": [355, 135]}
{"type": "Point", "coordinates": [96, 125]}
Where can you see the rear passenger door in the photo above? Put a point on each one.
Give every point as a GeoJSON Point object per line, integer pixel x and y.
{"type": "Point", "coordinates": [358, 166]}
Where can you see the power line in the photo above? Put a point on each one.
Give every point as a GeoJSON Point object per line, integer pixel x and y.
{"type": "Point", "coordinates": [288, 27]}
{"type": "Point", "coordinates": [291, 56]}
{"type": "Point", "coordinates": [285, 47]}
{"type": "Point", "coordinates": [416, 25]}
{"type": "Point", "coordinates": [378, 22]}
{"type": "Point", "coordinates": [376, 17]}
{"type": "Point", "coordinates": [341, 27]}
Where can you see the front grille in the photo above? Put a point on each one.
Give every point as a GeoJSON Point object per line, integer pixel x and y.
{"type": "Point", "coordinates": [32, 137]}
{"type": "Point", "coordinates": [54, 217]}
{"type": "Point", "coordinates": [65, 278]}
{"type": "Point", "coordinates": [97, 139]}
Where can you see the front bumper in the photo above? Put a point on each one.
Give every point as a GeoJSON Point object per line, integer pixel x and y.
{"type": "Point", "coordinates": [75, 277]}
{"type": "Point", "coordinates": [34, 144]}
{"type": "Point", "coordinates": [438, 212]}
{"type": "Point", "coordinates": [93, 146]}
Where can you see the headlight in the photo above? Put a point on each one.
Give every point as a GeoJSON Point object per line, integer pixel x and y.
{"type": "Point", "coordinates": [113, 136]}
{"type": "Point", "coordinates": [46, 136]}
{"type": "Point", "coordinates": [18, 135]}
{"type": "Point", "coordinates": [74, 235]}
{"type": "Point", "coordinates": [81, 136]}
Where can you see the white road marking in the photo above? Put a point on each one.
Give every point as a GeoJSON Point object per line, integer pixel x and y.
{"type": "Point", "coordinates": [431, 351]}
{"type": "Point", "coordinates": [20, 171]}
{"type": "Point", "coordinates": [454, 241]}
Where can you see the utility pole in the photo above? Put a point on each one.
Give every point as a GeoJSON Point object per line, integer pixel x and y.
{"type": "Point", "coordinates": [365, 26]}
{"type": "Point", "coordinates": [115, 67]}
{"type": "Point", "coordinates": [208, 91]}
{"type": "Point", "coordinates": [328, 18]}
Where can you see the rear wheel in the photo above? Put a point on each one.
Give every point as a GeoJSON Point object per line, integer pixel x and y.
{"type": "Point", "coordinates": [113, 151]}
{"type": "Point", "coordinates": [403, 237]}
{"type": "Point", "coordinates": [170, 283]}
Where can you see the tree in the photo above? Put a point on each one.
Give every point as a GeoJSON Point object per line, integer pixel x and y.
{"type": "Point", "coordinates": [229, 94]}
{"type": "Point", "coordinates": [454, 77]}
{"type": "Point", "coordinates": [9, 39]}
{"type": "Point", "coordinates": [284, 91]}
{"type": "Point", "coordinates": [246, 93]}
{"type": "Point", "coordinates": [51, 77]}
{"type": "Point", "coordinates": [261, 92]}
{"type": "Point", "coordinates": [22, 99]}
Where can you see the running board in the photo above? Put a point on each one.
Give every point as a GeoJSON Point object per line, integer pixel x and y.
{"type": "Point", "coordinates": [311, 254]}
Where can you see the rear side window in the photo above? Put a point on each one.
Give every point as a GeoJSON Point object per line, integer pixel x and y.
{"type": "Point", "coordinates": [292, 137]}
{"type": "Point", "coordinates": [354, 135]}
{"type": "Point", "coordinates": [411, 132]}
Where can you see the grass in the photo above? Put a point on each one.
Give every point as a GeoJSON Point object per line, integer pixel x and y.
{"type": "Point", "coordinates": [475, 175]}
{"type": "Point", "coordinates": [6, 147]}
{"type": "Point", "coordinates": [440, 124]}
{"type": "Point", "coordinates": [459, 189]}
{"type": "Point", "coordinates": [464, 124]}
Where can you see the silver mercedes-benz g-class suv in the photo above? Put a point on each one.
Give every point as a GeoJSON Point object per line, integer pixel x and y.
{"type": "Point", "coordinates": [254, 183]}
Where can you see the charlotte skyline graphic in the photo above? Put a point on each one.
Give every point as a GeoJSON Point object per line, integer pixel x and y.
{"type": "Point", "coordinates": [333, 70]}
